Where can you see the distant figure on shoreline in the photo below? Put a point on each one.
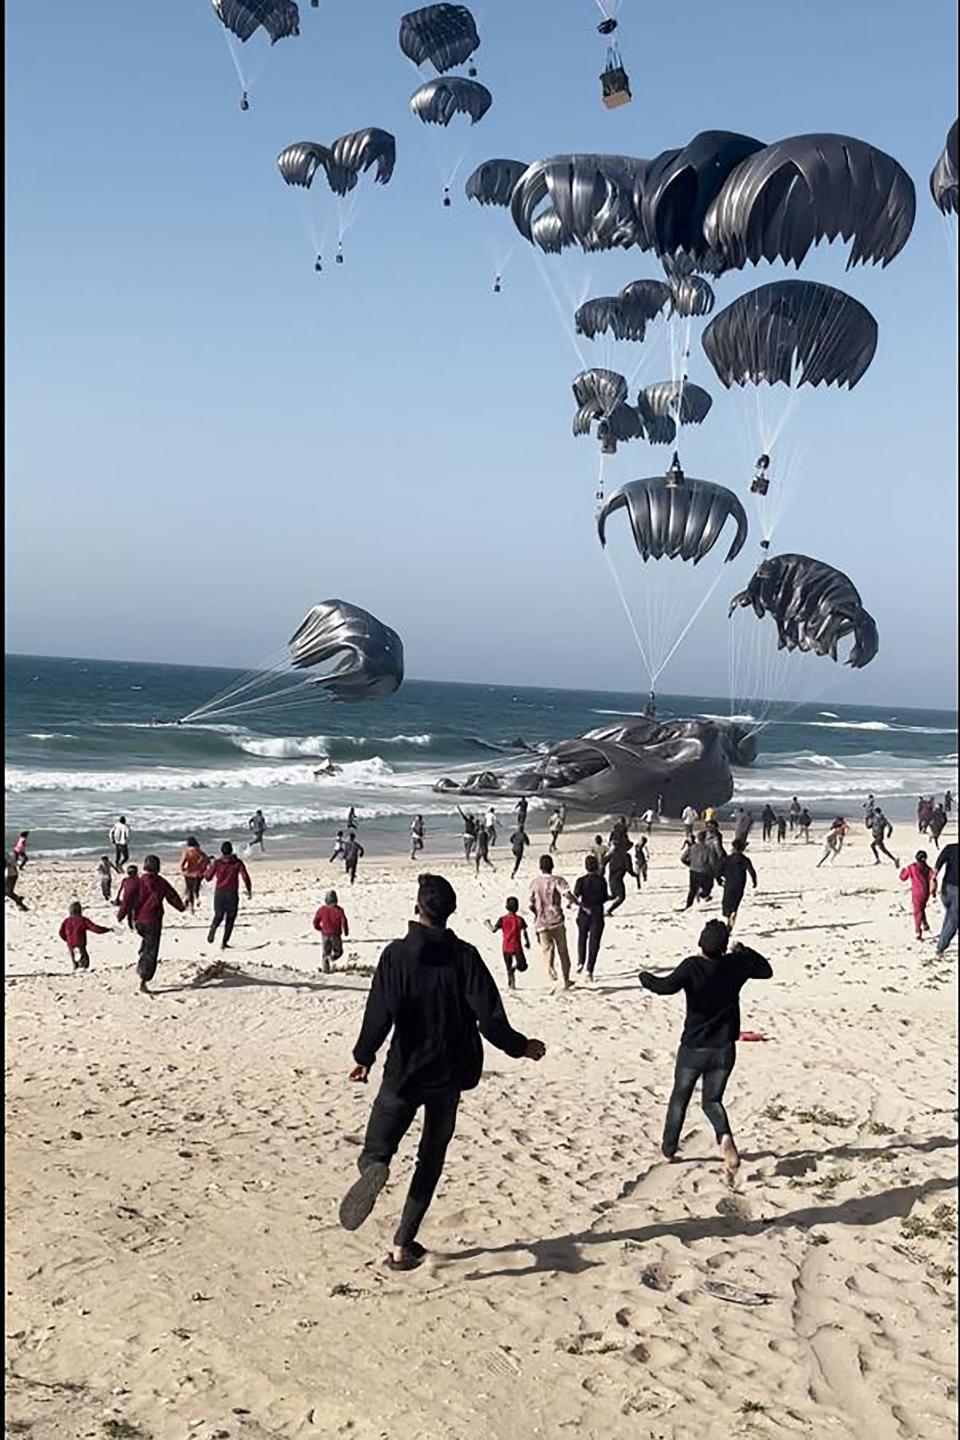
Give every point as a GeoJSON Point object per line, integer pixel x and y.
{"type": "Point", "coordinates": [469, 831]}
{"type": "Point", "coordinates": [73, 933]}
{"type": "Point", "coordinates": [923, 887]}
{"type": "Point", "coordinates": [556, 823]}
{"type": "Point", "coordinates": [435, 993]}
{"type": "Point", "coordinates": [20, 855]}
{"type": "Point", "coordinates": [353, 853]}
{"type": "Point", "coordinates": [948, 802]}
{"type": "Point", "coordinates": [339, 848]}
{"type": "Point", "coordinates": [937, 825]}
{"type": "Point", "coordinates": [258, 828]}
{"type": "Point", "coordinates": [417, 836]}
{"type": "Point", "coordinates": [11, 876]}
{"type": "Point", "coordinates": [688, 819]}
{"type": "Point", "coordinates": [120, 840]}
{"type": "Point", "coordinates": [711, 982]}
{"type": "Point", "coordinates": [482, 843]}
{"type": "Point", "coordinates": [105, 872]}
{"type": "Point", "coordinates": [640, 864]}
{"type": "Point", "coordinates": [795, 812]}
{"type": "Point", "coordinates": [351, 819]}
{"type": "Point", "coordinates": [804, 821]}
{"type": "Point", "coordinates": [521, 812]}
{"type": "Point", "coordinates": [768, 819]}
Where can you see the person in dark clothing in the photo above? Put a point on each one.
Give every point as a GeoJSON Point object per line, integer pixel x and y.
{"type": "Point", "coordinates": [435, 993]}
{"type": "Point", "coordinates": [949, 864]}
{"type": "Point", "coordinates": [924, 811]}
{"type": "Point", "coordinates": [469, 832]}
{"type": "Point", "coordinates": [736, 868]}
{"type": "Point", "coordinates": [516, 939]}
{"type": "Point", "coordinates": [591, 894]}
{"type": "Point", "coordinates": [804, 821]}
{"type": "Point", "coordinates": [11, 875]}
{"type": "Point", "coordinates": [74, 932]}
{"type": "Point", "coordinates": [257, 826]}
{"type": "Point", "coordinates": [699, 856]}
{"type": "Point", "coordinates": [521, 812]}
{"type": "Point", "coordinates": [948, 802]}
{"type": "Point", "coordinates": [768, 819]}
{"type": "Point", "coordinates": [353, 853]}
{"type": "Point", "coordinates": [640, 864]}
{"type": "Point", "coordinates": [619, 835]}
{"type": "Point", "coordinates": [937, 824]}
{"type": "Point", "coordinates": [483, 849]}
{"type": "Point", "coordinates": [880, 831]}
{"type": "Point", "coordinates": [619, 866]}
{"type": "Point", "coordinates": [128, 893]}
{"type": "Point", "coordinates": [794, 813]}
{"type": "Point", "coordinates": [519, 841]}
{"type": "Point", "coordinates": [226, 873]}
{"type": "Point", "coordinates": [712, 982]}
{"type": "Point", "coordinates": [152, 893]}
{"type": "Point", "coordinates": [744, 824]}
{"type": "Point", "coordinates": [781, 829]}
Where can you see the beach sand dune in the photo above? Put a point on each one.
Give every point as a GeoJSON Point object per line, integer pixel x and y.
{"type": "Point", "coordinates": [174, 1164]}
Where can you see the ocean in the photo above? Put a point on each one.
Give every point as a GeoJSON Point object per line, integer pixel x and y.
{"type": "Point", "coordinates": [88, 740]}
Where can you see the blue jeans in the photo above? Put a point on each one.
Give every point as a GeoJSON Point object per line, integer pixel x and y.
{"type": "Point", "coordinates": [712, 1067]}
{"type": "Point", "coordinates": [951, 917]}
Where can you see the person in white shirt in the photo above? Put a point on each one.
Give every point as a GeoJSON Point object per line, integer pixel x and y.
{"type": "Point", "coordinates": [120, 840]}
{"type": "Point", "coordinates": [689, 818]}
{"type": "Point", "coordinates": [647, 818]}
{"type": "Point", "coordinates": [490, 825]}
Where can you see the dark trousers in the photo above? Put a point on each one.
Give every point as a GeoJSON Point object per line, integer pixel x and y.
{"type": "Point", "coordinates": [618, 893]}
{"type": "Point", "coordinates": [701, 887]}
{"type": "Point", "coordinates": [226, 903]}
{"type": "Point", "coordinates": [712, 1068]}
{"type": "Point", "coordinates": [879, 848]}
{"type": "Point", "coordinates": [732, 899]}
{"type": "Point", "coordinates": [350, 868]}
{"type": "Point", "coordinates": [390, 1119]}
{"type": "Point", "coordinates": [10, 891]}
{"type": "Point", "coordinates": [121, 855]}
{"type": "Point", "coordinates": [590, 925]}
{"type": "Point", "coordinates": [149, 949]}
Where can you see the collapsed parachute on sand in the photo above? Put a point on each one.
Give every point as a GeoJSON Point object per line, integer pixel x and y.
{"type": "Point", "coordinates": [343, 162]}
{"type": "Point", "coordinates": [676, 516]}
{"type": "Point", "coordinates": [350, 656]}
{"type": "Point", "coordinates": [943, 180]}
{"type": "Point", "coordinates": [814, 606]}
{"type": "Point", "coordinates": [443, 36]}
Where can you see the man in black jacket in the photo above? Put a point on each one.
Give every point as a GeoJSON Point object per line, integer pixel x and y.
{"type": "Point", "coordinates": [435, 993]}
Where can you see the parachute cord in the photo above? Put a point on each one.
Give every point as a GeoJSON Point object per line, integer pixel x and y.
{"type": "Point", "coordinates": [565, 321]}
{"type": "Point", "coordinates": [247, 680]}
{"type": "Point", "coordinates": [627, 611]}
{"type": "Point", "coordinates": [245, 85]}
{"type": "Point", "coordinates": [687, 628]}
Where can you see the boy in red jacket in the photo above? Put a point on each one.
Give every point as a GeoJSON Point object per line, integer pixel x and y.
{"type": "Point", "coordinates": [516, 938]}
{"type": "Point", "coordinates": [331, 921]}
{"type": "Point", "coordinates": [226, 873]}
{"type": "Point", "coordinates": [128, 893]}
{"type": "Point", "coordinates": [73, 933]}
{"type": "Point", "coordinates": [152, 893]}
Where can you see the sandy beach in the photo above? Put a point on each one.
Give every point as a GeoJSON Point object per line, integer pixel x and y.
{"type": "Point", "coordinates": [174, 1164]}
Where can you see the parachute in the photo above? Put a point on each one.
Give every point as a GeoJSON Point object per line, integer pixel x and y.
{"type": "Point", "coordinates": [444, 35]}
{"type": "Point", "coordinates": [814, 606]}
{"type": "Point", "coordinates": [788, 196]}
{"type": "Point", "coordinates": [352, 656]}
{"type": "Point", "coordinates": [603, 388]}
{"type": "Point", "coordinates": [687, 403]}
{"type": "Point", "coordinates": [691, 295]}
{"type": "Point", "coordinates": [438, 101]}
{"type": "Point", "coordinates": [622, 316]}
{"type": "Point", "coordinates": [494, 181]}
{"type": "Point", "coordinates": [279, 18]}
{"type": "Point", "coordinates": [590, 195]}
{"type": "Point", "coordinates": [678, 188]}
{"type": "Point", "coordinates": [792, 332]}
{"type": "Point", "coordinates": [677, 519]}
{"type": "Point", "coordinates": [343, 162]}
{"type": "Point", "coordinates": [943, 180]}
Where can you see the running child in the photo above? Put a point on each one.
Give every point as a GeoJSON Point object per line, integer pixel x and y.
{"type": "Point", "coordinates": [516, 939]}
{"type": "Point", "coordinates": [331, 921]}
{"type": "Point", "coordinates": [73, 933]}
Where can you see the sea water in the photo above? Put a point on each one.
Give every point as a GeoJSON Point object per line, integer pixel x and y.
{"type": "Point", "coordinates": [88, 740]}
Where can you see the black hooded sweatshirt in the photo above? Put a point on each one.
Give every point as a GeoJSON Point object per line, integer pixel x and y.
{"type": "Point", "coordinates": [435, 992]}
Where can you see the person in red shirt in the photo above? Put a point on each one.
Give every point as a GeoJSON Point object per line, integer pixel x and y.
{"type": "Point", "coordinates": [193, 867]}
{"type": "Point", "coordinates": [227, 872]}
{"type": "Point", "coordinates": [923, 886]}
{"type": "Point", "coordinates": [128, 894]}
{"type": "Point", "coordinates": [331, 921]}
{"type": "Point", "coordinates": [516, 938]}
{"type": "Point", "coordinates": [73, 933]}
{"type": "Point", "coordinates": [153, 892]}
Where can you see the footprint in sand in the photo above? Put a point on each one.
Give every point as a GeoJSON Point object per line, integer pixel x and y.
{"type": "Point", "coordinates": [733, 1207]}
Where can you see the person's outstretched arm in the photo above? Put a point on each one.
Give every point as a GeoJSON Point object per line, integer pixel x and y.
{"type": "Point", "coordinates": [751, 872]}
{"type": "Point", "coordinates": [754, 966]}
{"type": "Point", "coordinates": [171, 896]}
{"type": "Point", "coordinates": [245, 877]}
{"type": "Point", "coordinates": [670, 984]}
{"type": "Point", "coordinates": [484, 1000]}
{"type": "Point", "coordinates": [377, 1017]}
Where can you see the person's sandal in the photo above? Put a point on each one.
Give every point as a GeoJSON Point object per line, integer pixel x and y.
{"type": "Point", "coordinates": [360, 1199]}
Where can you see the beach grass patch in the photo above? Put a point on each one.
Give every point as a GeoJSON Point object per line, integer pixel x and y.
{"type": "Point", "coordinates": [876, 1127]}
{"type": "Point", "coordinates": [820, 1116]}
{"type": "Point", "coordinates": [124, 1430]}
{"type": "Point", "coordinates": [753, 1407]}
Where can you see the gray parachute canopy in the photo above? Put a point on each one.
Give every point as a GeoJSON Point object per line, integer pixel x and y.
{"type": "Point", "coordinates": [493, 182]}
{"type": "Point", "coordinates": [814, 606]}
{"type": "Point", "coordinates": [623, 316]}
{"type": "Point", "coordinates": [678, 188]}
{"type": "Point", "coordinates": [943, 180]}
{"type": "Point", "coordinates": [687, 403]}
{"type": "Point", "coordinates": [438, 101]}
{"type": "Point", "coordinates": [591, 195]}
{"type": "Point", "coordinates": [789, 196]}
{"type": "Point", "coordinates": [342, 162]}
{"type": "Point", "coordinates": [792, 332]}
{"type": "Point", "coordinates": [623, 423]}
{"type": "Point", "coordinates": [444, 35]}
{"type": "Point", "coordinates": [363, 658]}
{"type": "Point", "coordinates": [691, 295]}
{"type": "Point", "coordinates": [600, 387]}
{"type": "Point", "coordinates": [279, 18]}
{"type": "Point", "coordinates": [547, 232]}
{"type": "Point", "coordinates": [682, 520]}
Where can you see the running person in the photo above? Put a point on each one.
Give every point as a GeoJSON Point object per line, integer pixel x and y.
{"type": "Point", "coordinates": [11, 876]}
{"type": "Point", "coordinates": [712, 982]}
{"type": "Point", "coordinates": [120, 840]}
{"type": "Point", "coordinates": [353, 853]}
{"type": "Point", "coordinates": [516, 939]}
{"type": "Point", "coordinates": [435, 993]}
{"type": "Point", "coordinates": [193, 867]}
{"type": "Point", "coordinates": [640, 860]}
{"type": "Point", "coordinates": [519, 841]}
{"type": "Point", "coordinates": [153, 892]}
{"type": "Point", "coordinates": [591, 894]}
{"type": "Point", "coordinates": [619, 866]}
{"type": "Point", "coordinates": [880, 831]}
{"type": "Point", "coordinates": [833, 843]}
{"type": "Point", "coordinates": [548, 894]}
{"type": "Point", "coordinates": [736, 867]}
{"type": "Point", "coordinates": [226, 873]}
{"type": "Point", "coordinates": [923, 887]}
{"type": "Point", "coordinates": [258, 828]}
{"type": "Point", "coordinates": [74, 932]}
{"type": "Point", "coordinates": [469, 831]}
{"type": "Point", "coordinates": [128, 895]}
{"type": "Point", "coordinates": [555, 826]}
{"type": "Point", "coordinates": [331, 921]}
{"type": "Point", "coordinates": [483, 849]}
{"type": "Point", "coordinates": [105, 869]}
{"type": "Point", "coordinates": [948, 861]}
{"type": "Point", "coordinates": [416, 836]}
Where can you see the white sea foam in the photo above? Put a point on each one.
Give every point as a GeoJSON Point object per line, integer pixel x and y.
{"type": "Point", "coordinates": [49, 735]}
{"type": "Point", "coordinates": [284, 747]}
{"type": "Point", "coordinates": [358, 773]}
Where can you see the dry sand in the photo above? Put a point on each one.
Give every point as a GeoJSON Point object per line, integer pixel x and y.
{"type": "Point", "coordinates": [174, 1164]}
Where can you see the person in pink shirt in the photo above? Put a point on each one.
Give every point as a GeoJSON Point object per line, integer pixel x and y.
{"type": "Point", "coordinates": [332, 923]}
{"type": "Point", "coordinates": [923, 887]}
{"type": "Point", "coordinates": [73, 933]}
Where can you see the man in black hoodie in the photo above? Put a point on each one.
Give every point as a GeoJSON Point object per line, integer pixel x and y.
{"type": "Point", "coordinates": [435, 993]}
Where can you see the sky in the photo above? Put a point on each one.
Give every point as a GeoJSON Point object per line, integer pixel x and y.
{"type": "Point", "coordinates": [205, 436]}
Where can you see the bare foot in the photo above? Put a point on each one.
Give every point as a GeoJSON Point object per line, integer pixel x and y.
{"type": "Point", "coordinates": [731, 1157]}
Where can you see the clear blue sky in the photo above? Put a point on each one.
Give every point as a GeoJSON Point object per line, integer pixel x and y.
{"type": "Point", "coordinates": [204, 437]}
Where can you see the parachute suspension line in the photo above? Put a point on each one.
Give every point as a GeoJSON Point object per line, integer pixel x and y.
{"type": "Point", "coordinates": [686, 629]}
{"type": "Point", "coordinates": [629, 614]}
{"type": "Point", "coordinates": [245, 84]}
{"type": "Point", "coordinates": [564, 316]}
{"type": "Point", "coordinates": [243, 707]}
{"type": "Point", "coordinates": [601, 468]}
{"type": "Point", "coordinates": [248, 680]}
